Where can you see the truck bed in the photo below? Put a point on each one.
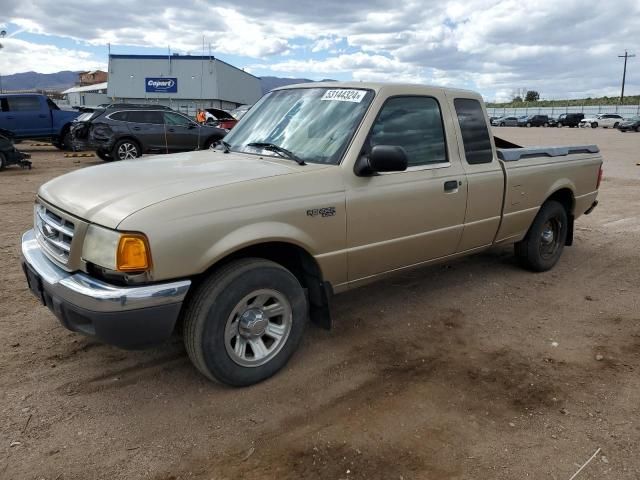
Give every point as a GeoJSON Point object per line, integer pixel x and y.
{"type": "Point", "coordinates": [510, 152]}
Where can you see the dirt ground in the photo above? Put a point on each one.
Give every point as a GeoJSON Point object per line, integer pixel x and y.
{"type": "Point", "coordinates": [474, 369]}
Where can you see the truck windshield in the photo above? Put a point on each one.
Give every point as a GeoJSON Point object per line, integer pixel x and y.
{"type": "Point", "coordinates": [314, 124]}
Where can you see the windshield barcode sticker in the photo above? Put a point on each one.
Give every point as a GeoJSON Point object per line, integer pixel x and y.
{"type": "Point", "coordinates": [343, 95]}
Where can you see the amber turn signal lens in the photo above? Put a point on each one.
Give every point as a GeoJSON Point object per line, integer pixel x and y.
{"type": "Point", "coordinates": [133, 253]}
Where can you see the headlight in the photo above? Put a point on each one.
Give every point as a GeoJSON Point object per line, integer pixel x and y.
{"type": "Point", "coordinates": [118, 251]}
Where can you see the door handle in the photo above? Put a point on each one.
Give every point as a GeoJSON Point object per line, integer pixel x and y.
{"type": "Point", "coordinates": [11, 117]}
{"type": "Point", "coordinates": [451, 185]}
{"type": "Point", "coordinates": [136, 128]}
{"type": "Point", "coordinates": [172, 130]}
{"type": "Point", "coordinates": [42, 116]}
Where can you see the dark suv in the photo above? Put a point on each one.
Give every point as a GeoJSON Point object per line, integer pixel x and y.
{"type": "Point", "coordinates": [569, 120]}
{"type": "Point", "coordinates": [127, 131]}
{"type": "Point", "coordinates": [534, 121]}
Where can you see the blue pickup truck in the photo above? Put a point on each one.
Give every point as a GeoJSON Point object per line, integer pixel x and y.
{"type": "Point", "coordinates": [30, 115]}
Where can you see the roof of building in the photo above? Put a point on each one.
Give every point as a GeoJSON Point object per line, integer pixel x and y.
{"type": "Point", "coordinates": [87, 88]}
{"type": "Point", "coordinates": [177, 57]}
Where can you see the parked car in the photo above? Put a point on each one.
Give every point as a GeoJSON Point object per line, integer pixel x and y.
{"type": "Point", "coordinates": [604, 120]}
{"type": "Point", "coordinates": [30, 115]}
{"type": "Point", "coordinates": [127, 132]}
{"type": "Point", "coordinates": [9, 155]}
{"type": "Point", "coordinates": [222, 118]}
{"type": "Point", "coordinates": [240, 112]}
{"type": "Point", "coordinates": [534, 121]}
{"type": "Point", "coordinates": [630, 125]}
{"type": "Point", "coordinates": [245, 243]}
{"type": "Point", "coordinates": [568, 120]}
{"type": "Point", "coordinates": [505, 122]}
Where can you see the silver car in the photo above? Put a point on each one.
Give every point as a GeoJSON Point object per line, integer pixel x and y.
{"type": "Point", "coordinates": [505, 122]}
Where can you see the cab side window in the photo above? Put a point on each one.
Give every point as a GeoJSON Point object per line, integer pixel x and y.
{"type": "Point", "coordinates": [24, 104]}
{"type": "Point", "coordinates": [475, 134]}
{"type": "Point", "coordinates": [415, 124]}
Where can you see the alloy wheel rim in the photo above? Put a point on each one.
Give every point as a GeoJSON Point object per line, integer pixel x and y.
{"type": "Point", "coordinates": [258, 327]}
{"type": "Point", "coordinates": [127, 151]}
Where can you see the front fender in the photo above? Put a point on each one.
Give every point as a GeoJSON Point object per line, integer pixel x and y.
{"type": "Point", "coordinates": [254, 234]}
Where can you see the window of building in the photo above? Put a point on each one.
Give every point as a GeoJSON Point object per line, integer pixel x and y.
{"type": "Point", "coordinates": [475, 134]}
{"type": "Point", "coordinates": [415, 124]}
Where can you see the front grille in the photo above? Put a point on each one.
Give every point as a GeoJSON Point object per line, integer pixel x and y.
{"type": "Point", "coordinates": [54, 233]}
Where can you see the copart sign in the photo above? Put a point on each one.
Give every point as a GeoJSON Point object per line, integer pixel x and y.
{"type": "Point", "coordinates": [161, 85]}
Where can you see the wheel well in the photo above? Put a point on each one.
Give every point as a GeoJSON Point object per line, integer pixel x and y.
{"type": "Point", "coordinates": [564, 196]}
{"type": "Point", "coordinates": [300, 263]}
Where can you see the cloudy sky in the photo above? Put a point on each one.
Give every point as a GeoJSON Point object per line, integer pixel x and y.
{"type": "Point", "coordinates": [562, 48]}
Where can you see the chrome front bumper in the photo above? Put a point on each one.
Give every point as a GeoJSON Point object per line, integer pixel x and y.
{"type": "Point", "coordinates": [123, 316]}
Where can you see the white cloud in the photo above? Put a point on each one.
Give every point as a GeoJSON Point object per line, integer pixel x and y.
{"type": "Point", "coordinates": [21, 56]}
{"type": "Point", "coordinates": [567, 47]}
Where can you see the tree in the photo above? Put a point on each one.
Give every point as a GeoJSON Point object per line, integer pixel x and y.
{"type": "Point", "coordinates": [517, 99]}
{"type": "Point", "coordinates": [532, 96]}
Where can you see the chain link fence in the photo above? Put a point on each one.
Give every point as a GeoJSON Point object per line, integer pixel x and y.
{"type": "Point", "coordinates": [627, 111]}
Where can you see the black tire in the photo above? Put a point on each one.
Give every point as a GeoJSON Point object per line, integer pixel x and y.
{"type": "Point", "coordinates": [537, 251]}
{"type": "Point", "coordinates": [545, 125]}
{"type": "Point", "coordinates": [125, 149]}
{"type": "Point", "coordinates": [211, 142]}
{"type": "Point", "coordinates": [559, 124]}
{"type": "Point", "coordinates": [638, 129]}
{"type": "Point", "coordinates": [615, 125]}
{"type": "Point", "coordinates": [210, 313]}
{"type": "Point", "coordinates": [104, 156]}
{"type": "Point", "coordinates": [528, 125]}
{"type": "Point", "coordinates": [3, 161]}
{"type": "Point", "coordinates": [502, 124]}
{"type": "Point", "coordinates": [594, 125]}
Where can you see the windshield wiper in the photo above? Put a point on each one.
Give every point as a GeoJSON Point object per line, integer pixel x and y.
{"type": "Point", "coordinates": [226, 147]}
{"type": "Point", "coordinates": [283, 152]}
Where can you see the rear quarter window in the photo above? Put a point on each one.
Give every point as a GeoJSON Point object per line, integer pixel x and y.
{"type": "Point", "coordinates": [475, 133]}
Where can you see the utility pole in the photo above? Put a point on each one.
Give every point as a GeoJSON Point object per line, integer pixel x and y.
{"type": "Point", "coordinates": [624, 72]}
{"type": "Point", "coordinates": [2, 34]}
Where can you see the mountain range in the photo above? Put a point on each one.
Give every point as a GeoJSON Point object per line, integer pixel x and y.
{"type": "Point", "coordinates": [66, 79]}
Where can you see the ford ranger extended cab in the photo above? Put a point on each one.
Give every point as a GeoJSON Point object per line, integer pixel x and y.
{"type": "Point", "coordinates": [31, 115]}
{"type": "Point", "coordinates": [320, 188]}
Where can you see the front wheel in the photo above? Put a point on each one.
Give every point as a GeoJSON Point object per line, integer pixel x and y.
{"type": "Point", "coordinates": [542, 247]}
{"type": "Point", "coordinates": [615, 125]}
{"type": "Point", "coordinates": [245, 321]}
{"type": "Point", "coordinates": [638, 129]}
{"type": "Point", "coordinates": [528, 125]}
{"type": "Point", "coordinates": [125, 150]}
{"type": "Point", "coordinates": [3, 161]}
{"type": "Point", "coordinates": [594, 125]}
{"type": "Point", "coordinates": [559, 124]}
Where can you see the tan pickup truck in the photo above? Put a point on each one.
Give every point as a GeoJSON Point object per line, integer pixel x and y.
{"type": "Point", "coordinates": [320, 188]}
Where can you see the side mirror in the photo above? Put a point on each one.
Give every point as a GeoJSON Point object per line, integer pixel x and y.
{"type": "Point", "coordinates": [383, 158]}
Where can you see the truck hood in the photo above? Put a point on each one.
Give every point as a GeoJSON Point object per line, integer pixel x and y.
{"type": "Point", "coordinates": [107, 194]}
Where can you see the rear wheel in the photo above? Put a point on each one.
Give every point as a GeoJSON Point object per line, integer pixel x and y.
{"type": "Point", "coordinates": [502, 124]}
{"type": "Point", "coordinates": [559, 124]}
{"type": "Point", "coordinates": [594, 124]}
{"type": "Point", "coordinates": [125, 150]}
{"type": "Point", "coordinates": [545, 125]}
{"type": "Point", "coordinates": [528, 125]}
{"type": "Point", "coordinates": [105, 156]}
{"type": "Point", "coordinates": [245, 321]}
{"type": "Point", "coordinates": [211, 143]}
{"type": "Point", "coordinates": [3, 161]}
{"type": "Point", "coordinates": [542, 247]}
{"type": "Point", "coordinates": [638, 129]}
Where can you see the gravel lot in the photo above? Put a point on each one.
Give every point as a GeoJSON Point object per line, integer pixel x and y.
{"type": "Point", "coordinates": [474, 369]}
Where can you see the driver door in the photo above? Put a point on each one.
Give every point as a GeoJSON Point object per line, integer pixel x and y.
{"type": "Point", "coordinates": [399, 219]}
{"type": "Point", "coordinates": [182, 132]}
